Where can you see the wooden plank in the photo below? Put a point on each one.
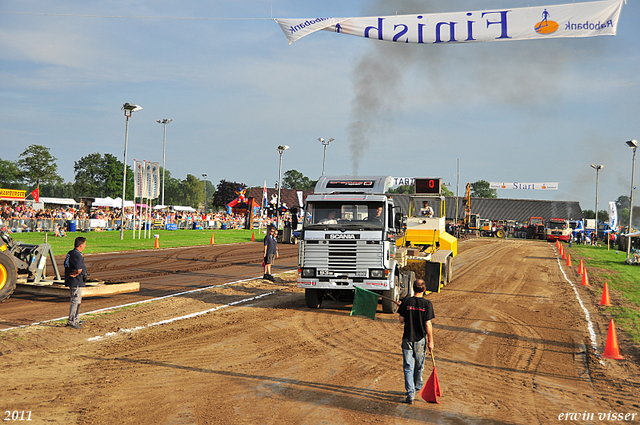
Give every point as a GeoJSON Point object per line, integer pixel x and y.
{"type": "Point", "coordinates": [87, 291]}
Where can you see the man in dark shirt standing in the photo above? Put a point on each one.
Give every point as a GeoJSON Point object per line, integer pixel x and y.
{"type": "Point", "coordinates": [270, 252]}
{"type": "Point", "coordinates": [416, 314]}
{"type": "Point", "coordinates": [75, 277]}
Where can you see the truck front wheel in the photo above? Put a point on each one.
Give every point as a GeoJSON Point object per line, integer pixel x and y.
{"type": "Point", "coordinates": [388, 304]}
{"type": "Point", "coordinates": [8, 277]}
{"type": "Point", "coordinates": [313, 297]}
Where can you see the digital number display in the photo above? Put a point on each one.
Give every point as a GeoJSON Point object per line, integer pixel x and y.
{"type": "Point", "coordinates": [428, 186]}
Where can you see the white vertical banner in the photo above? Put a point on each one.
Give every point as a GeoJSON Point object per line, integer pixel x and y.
{"type": "Point", "coordinates": [148, 180]}
{"type": "Point", "coordinates": [300, 201]}
{"type": "Point", "coordinates": [138, 172]}
{"type": "Point", "coordinates": [613, 216]}
{"type": "Point", "coordinates": [155, 180]}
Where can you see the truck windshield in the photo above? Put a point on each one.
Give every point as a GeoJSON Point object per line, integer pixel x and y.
{"type": "Point", "coordinates": [557, 225]}
{"type": "Point", "coordinates": [338, 215]}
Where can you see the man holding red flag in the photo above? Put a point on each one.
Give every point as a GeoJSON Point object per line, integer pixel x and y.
{"type": "Point", "coordinates": [416, 314]}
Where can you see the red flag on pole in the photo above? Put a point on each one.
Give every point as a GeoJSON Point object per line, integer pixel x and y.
{"type": "Point", "coordinates": [36, 194]}
{"type": "Point", "coordinates": [431, 390]}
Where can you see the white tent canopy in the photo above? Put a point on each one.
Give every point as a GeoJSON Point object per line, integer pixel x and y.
{"type": "Point", "coordinates": [181, 208]}
{"type": "Point", "coordinates": [103, 202]}
{"type": "Point", "coordinates": [117, 203]}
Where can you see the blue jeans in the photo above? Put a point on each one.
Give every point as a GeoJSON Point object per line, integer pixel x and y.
{"type": "Point", "coordinates": [413, 354]}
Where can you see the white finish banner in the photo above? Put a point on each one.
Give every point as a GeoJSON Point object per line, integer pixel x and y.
{"type": "Point", "coordinates": [557, 21]}
{"type": "Point", "coordinates": [524, 186]}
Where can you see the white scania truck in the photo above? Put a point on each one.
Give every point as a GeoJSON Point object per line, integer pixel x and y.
{"type": "Point", "coordinates": [354, 235]}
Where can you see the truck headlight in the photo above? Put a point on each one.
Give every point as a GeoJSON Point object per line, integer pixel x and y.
{"type": "Point", "coordinates": [378, 273]}
{"type": "Point", "coordinates": [308, 272]}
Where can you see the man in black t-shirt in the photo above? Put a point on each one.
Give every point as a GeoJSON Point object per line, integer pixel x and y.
{"type": "Point", "coordinates": [416, 314]}
{"type": "Point", "coordinates": [75, 277]}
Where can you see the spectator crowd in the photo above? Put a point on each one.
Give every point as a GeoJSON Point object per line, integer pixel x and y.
{"type": "Point", "coordinates": [24, 218]}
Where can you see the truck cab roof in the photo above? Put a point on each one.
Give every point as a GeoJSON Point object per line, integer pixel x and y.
{"type": "Point", "coordinates": [327, 185]}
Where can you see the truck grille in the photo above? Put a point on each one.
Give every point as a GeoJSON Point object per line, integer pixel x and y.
{"type": "Point", "coordinates": [343, 256]}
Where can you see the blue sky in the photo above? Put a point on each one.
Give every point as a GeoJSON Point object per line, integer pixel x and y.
{"type": "Point", "coordinates": [521, 111]}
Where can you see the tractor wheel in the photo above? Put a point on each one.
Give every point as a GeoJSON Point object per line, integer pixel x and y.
{"type": "Point", "coordinates": [500, 233]}
{"type": "Point", "coordinates": [8, 277]}
{"type": "Point", "coordinates": [389, 306]}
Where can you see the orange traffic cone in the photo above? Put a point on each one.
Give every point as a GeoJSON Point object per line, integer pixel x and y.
{"type": "Point", "coordinates": [253, 237]}
{"type": "Point", "coordinates": [605, 301]}
{"type": "Point", "coordinates": [157, 242]}
{"type": "Point", "coordinates": [557, 244]}
{"type": "Point", "coordinates": [213, 240]}
{"type": "Point", "coordinates": [585, 278]}
{"type": "Point", "coordinates": [611, 349]}
{"type": "Point", "coordinates": [564, 254]}
{"type": "Point", "coordinates": [569, 260]}
{"type": "Point", "coordinates": [580, 268]}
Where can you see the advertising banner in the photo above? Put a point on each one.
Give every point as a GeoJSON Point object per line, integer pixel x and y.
{"type": "Point", "coordinates": [403, 181]}
{"type": "Point", "coordinates": [524, 186]}
{"type": "Point", "coordinates": [588, 19]}
{"type": "Point", "coordinates": [13, 194]}
{"type": "Point", "coordinates": [138, 178]}
{"type": "Point", "coordinates": [155, 180]}
{"type": "Point", "coordinates": [613, 216]}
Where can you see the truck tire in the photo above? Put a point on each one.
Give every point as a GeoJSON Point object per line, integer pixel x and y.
{"type": "Point", "coordinates": [411, 278]}
{"type": "Point", "coordinates": [8, 277]}
{"type": "Point", "coordinates": [388, 306]}
{"type": "Point", "coordinates": [313, 297]}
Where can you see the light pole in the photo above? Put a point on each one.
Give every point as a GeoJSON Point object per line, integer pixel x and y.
{"type": "Point", "coordinates": [128, 108]}
{"type": "Point", "coordinates": [164, 122]}
{"type": "Point", "coordinates": [597, 168]}
{"type": "Point", "coordinates": [204, 180]}
{"type": "Point", "coordinates": [325, 143]}
{"type": "Point", "coordinates": [633, 144]}
{"type": "Point", "coordinates": [281, 150]}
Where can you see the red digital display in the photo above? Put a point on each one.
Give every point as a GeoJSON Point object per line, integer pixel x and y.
{"type": "Point", "coordinates": [428, 186]}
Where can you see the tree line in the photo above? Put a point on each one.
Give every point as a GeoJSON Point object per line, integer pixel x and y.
{"type": "Point", "coordinates": [95, 176]}
{"type": "Point", "coordinates": [100, 175]}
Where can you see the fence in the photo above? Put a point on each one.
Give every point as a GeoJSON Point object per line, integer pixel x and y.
{"type": "Point", "coordinates": [20, 225]}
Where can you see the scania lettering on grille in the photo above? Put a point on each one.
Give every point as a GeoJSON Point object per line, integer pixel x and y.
{"type": "Point", "coordinates": [341, 236]}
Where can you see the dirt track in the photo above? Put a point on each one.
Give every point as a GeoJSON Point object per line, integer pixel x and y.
{"type": "Point", "coordinates": [511, 348]}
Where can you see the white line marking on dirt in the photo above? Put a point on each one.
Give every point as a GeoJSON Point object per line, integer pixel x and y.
{"type": "Point", "coordinates": [175, 319]}
{"type": "Point", "coordinates": [142, 301]}
{"type": "Point", "coordinates": [592, 332]}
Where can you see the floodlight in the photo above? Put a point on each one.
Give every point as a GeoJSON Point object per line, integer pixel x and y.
{"type": "Point", "coordinates": [632, 143]}
{"type": "Point", "coordinates": [131, 107]}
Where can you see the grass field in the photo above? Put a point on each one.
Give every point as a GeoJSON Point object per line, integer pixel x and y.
{"type": "Point", "coordinates": [623, 280]}
{"type": "Point", "coordinates": [110, 241]}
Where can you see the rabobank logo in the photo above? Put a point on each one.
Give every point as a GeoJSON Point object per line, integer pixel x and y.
{"type": "Point", "coordinates": [545, 26]}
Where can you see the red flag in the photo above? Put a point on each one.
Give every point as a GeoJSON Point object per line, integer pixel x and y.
{"type": "Point", "coordinates": [431, 390]}
{"type": "Point", "coordinates": [36, 194]}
